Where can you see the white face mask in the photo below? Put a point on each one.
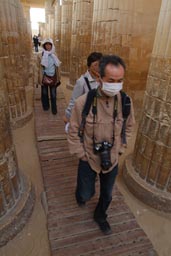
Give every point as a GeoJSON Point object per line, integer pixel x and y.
{"type": "Point", "coordinates": [111, 89]}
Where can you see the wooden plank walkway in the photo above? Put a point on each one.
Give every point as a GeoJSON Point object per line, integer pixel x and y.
{"type": "Point", "coordinates": [71, 229]}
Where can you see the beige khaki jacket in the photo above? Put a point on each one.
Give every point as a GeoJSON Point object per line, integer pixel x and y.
{"type": "Point", "coordinates": [103, 130]}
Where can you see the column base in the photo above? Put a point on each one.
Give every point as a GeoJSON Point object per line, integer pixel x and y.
{"type": "Point", "coordinates": [148, 194]}
{"type": "Point", "coordinates": [21, 121]}
{"type": "Point", "coordinates": [16, 218]}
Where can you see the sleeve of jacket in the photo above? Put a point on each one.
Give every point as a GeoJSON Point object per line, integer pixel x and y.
{"type": "Point", "coordinates": [77, 92]}
{"type": "Point", "coordinates": [75, 146]}
{"type": "Point", "coordinates": [130, 123]}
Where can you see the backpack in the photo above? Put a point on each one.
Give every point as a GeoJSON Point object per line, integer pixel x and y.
{"type": "Point", "coordinates": [126, 108]}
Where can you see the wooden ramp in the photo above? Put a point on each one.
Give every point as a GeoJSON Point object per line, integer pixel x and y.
{"type": "Point", "coordinates": [71, 229]}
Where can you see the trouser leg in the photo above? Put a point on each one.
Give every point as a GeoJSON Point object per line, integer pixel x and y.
{"type": "Point", "coordinates": [44, 97]}
{"type": "Point", "coordinates": [85, 182]}
{"type": "Point", "coordinates": [53, 99]}
{"type": "Point", "coordinates": [106, 186]}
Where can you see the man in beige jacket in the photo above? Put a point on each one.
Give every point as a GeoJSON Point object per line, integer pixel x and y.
{"type": "Point", "coordinates": [99, 148]}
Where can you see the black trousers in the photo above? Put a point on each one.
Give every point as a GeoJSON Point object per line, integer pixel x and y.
{"type": "Point", "coordinates": [45, 97]}
{"type": "Point", "coordinates": [86, 188]}
{"type": "Point", "coordinates": [36, 48]}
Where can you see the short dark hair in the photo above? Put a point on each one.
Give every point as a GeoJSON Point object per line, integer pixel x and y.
{"type": "Point", "coordinates": [110, 59]}
{"type": "Point", "coordinates": [94, 56]}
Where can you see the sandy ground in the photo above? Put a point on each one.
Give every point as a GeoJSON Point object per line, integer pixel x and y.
{"type": "Point", "coordinates": [33, 239]}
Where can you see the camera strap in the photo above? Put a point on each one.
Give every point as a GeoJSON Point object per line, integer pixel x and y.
{"type": "Point", "coordinates": [87, 82]}
{"type": "Point", "coordinates": [92, 101]}
{"type": "Point", "coordinates": [90, 98]}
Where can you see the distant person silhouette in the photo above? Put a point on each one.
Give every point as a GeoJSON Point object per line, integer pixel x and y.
{"type": "Point", "coordinates": [36, 43]}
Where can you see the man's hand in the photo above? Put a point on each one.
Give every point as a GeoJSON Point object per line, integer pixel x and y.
{"type": "Point", "coordinates": [84, 158]}
{"type": "Point", "coordinates": [122, 149]}
{"type": "Point", "coordinates": [65, 119]}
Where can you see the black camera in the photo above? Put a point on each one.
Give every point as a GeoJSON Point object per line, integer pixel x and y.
{"type": "Point", "coordinates": [103, 148]}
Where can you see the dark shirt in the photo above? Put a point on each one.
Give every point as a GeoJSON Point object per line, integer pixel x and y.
{"type": "Point", "coordinates": [35, 40]}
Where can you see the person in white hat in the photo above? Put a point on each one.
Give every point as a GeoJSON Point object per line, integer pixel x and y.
{"type": "Point", "coordinates": [50, 64]}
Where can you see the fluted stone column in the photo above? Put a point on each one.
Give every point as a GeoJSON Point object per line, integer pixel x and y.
{"type": "Point", "coordinates": [127, 28]}
{"type": "Point", "coordinates": [105, 25]}
{"type": "Point", "coordinates": [42, 30]}
{"type": "Point", "coordinates": [81, 37]}
{"type": "Point", "coordinates": [26, 9]}
{"type": "Point", "coordinates": [58, 29]}
{"type": "Point", "coordinates": [48, 9]}
{"type": "Point", "coordinates": [51, 24]}
{"type": "Point", "coordinates": [16, 51]}
{"type": "Point", "coordinates": [16, 192]}
{"type": "Point", "coordinates": [7, 193]}
{"type": "Point", "coordinates": [148, 172]}
{"type": "Point", "coordinates": [66, 25]}
{"type": "Point", "coordinates": [28, 32]}
{"type": "Point", "coordinates": [49, 17]}
{"type": "Point", "coordinates": [23, 55]}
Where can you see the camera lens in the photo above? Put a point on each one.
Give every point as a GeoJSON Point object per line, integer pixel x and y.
{"type": "Point", "coordinates": [105, 159]}
{"type": "Point", "coordinates": [106, 165]}
{"type": "Point", "coordinates": [103, 149]}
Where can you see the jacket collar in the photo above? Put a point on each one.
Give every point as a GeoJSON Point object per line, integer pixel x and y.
{"type": "Point", "coordinates": [90, 78]}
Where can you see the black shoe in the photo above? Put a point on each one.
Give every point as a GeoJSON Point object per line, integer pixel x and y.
{"type": "Point", "coordinates": [46, 109]}
{"type": "Point", "coordinates": [54, 112]}
{"type": "Point", "coordinates": [81, 203]}
{"type": "Point", "coordinates": [104, 227]}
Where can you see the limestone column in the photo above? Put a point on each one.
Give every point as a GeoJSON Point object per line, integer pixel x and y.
{"type": "Point", "coordinates": [26, 9]}
{"type": "Point", "coordinates": [105, 25]}
{"type": "Point", "coordinates": [148, 172]}
{"type": "Point", "coordinates": [51, 23]}
{"type": "Point", "coordinates": [127, 28]}
{"type": "Point", "coordinates": [28, 34]}
{"type": "Point", "coordinates": [80, 38]}
{"type": "Point", "coordinates": [16, 192]}
{"type": "Point", "coordinates": [58, 29]}
{"type": "Point", "coordinates": [48, 9]}
{"type": "Point", "coordinates": [49, 17]}
{"type": "Point", "coordinates": [66, 25]}
{"type": "Point", "coordinates": [42, 30]}
{"type": "Point", "coordinates": [15, 49]}
{"type": "Point", "coordinates": [23, 55]}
